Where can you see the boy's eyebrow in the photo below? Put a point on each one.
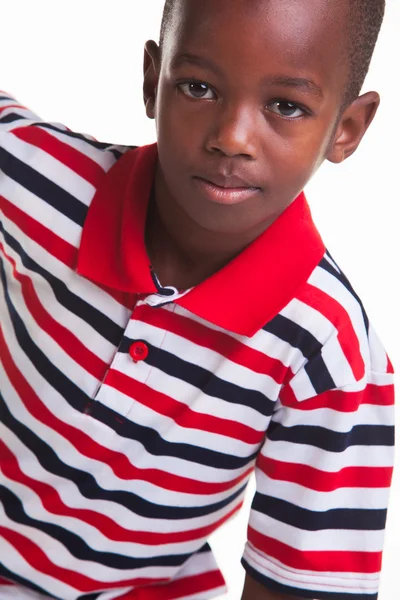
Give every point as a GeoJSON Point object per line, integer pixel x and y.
{"type": "Point", "coordinates": [301, 83]}
{"type": "Point", "coordinates": [186, 58]}
{"type": "Point", "coordinates": [306, 85]}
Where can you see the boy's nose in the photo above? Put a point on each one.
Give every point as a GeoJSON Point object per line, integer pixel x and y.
{"type": "Point", "coordinates": [234, 133]}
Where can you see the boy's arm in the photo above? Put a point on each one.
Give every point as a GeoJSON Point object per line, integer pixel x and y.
{"type": "Point", "coordinates": [322, 480]}
{"type": "Point", "coordinates": [255, 591]}
{"type": "Point", "coordinates": [13, 114]}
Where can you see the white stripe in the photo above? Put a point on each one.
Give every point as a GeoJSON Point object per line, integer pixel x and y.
{"type": "Point", "coordinates": [381, 378]}
{"type": "Point", "coordinates": [123, 517]}
{"type": "Point", "coordinates": [329, 284]}
{"type": "Point", "coordinates": [98, 541]}
{"type": "Point", "coordinates": [215, 363]}
{"type": "Point", "coordinates": [16, 592]}
{"type": "Point", "coordinates": [350, 583]}
{"type": "Point", "coordinates": [379, 359]}
{"type": "Point", "coordinates": [197, 400]}
{"type": "Point", "coordinates": [302, 387]}
{"type": "Point", "coordinates": [108, 480]}
{"type": "Point", "coordinates": [350, 498]}
{"type": "Point", "coordinates": [60, 557]}
{"type": "Point", "coordinates": [337, 363]}
{"type": "Point", "coordinates": [17, 564]}
{"type": "Point", "coordinates": [26, 118]}
{"type": "Point", "coordinates": [58, 357]}
{"type": "Point", "coordinates": [309, 319]}
{"type": "Point", "coordinates": [333, 420]}
{"type": "Point", "coordinates": [174, 433]}
{"type": "Point", "coordinates": [104, 158]}
{"type": "Point", "coordinates": [325, 540]}
{"type": "Point", "coordinates": [272, 346]}
{"type": "Point", "coordinates": [87, 335]}
{"type": "Point", "coordinates": [35, 207]}
{"type": "Point", "coordinates": [51, 168]}
{"type": "Point", "coordinates": [330, 462]}
{"type": "Point", "coordinates": [101, 433]}
{"type": "Point", "coordinates": [332, 263]}
{"type": "Point", "coordinates": [80, 286]}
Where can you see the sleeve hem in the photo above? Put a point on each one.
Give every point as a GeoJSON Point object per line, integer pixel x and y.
{"type": "Point", "coordinates": [307, 584]}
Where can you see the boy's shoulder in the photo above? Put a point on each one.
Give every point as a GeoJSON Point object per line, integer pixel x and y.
{"type": "Point", "coordinates": [333, 344]}
{"type": "Point", "coordinates": [49, 173]}
{"type": "Point", "coordinates": [31, 133]}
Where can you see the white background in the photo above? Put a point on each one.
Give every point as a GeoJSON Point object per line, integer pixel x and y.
{"type": "Point", "coordinates": [79, 62]}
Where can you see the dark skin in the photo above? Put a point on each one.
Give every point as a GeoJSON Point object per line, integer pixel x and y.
{"type": "Point", "coordinates": [251, 89]}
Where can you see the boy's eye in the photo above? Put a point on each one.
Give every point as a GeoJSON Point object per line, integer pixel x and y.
{"type": "Point", "coordinates": [198, 90]}
{"type": "Point", "coordinates": [286, 109]}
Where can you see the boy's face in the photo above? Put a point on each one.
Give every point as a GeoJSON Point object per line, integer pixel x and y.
{"type": "Point", "coordinates": [247, 96]}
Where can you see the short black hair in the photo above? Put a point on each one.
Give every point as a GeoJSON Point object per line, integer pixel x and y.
{"type": "Point", "coordinates": [364, 23]}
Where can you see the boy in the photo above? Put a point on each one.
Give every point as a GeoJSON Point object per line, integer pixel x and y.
{"type": "Point", "coordinates": [171, 320]}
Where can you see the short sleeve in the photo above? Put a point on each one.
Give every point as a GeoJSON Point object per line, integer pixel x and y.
{"type": "Point", "coordinates": [316, 527]}
{"type": "Point", "coordinates": [13, 114]}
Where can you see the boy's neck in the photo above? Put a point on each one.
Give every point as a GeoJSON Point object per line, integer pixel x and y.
{"type": "Point", "coordinates": [182, 253]}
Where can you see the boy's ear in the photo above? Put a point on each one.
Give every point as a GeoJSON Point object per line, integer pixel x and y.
{"type": "Point", "coordinates": [352, 126]}
{"type": "Point", "coordinates": [151, 72]}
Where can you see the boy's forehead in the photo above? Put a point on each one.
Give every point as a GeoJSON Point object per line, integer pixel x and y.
{"type": "Point", "coordinates": [187, 11]}
{"type": "Point", "coordinates": [297, 24]}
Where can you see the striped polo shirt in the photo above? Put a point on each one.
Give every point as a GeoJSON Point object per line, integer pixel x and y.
{"type": "Point", "coordinates": [132, 415]}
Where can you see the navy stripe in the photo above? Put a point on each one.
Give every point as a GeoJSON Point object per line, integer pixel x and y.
{"type": "Point", "coordinates": [11, 117]}
{"type": "Point", "coordinates": [333, 441]}
{"type": "Point", "coordinates": [295, 335]}
{"type": "Point", "coordinates": [42, 187]}
{"type": "Point", "coordinates": [158, 446]}
{"type": "Point", "coordinates": [77, 547]}
{"type": "Point", "coordinates": [107, 328]}
{"type": "Point", "coordinates": [24, 583]}
{"type": "Point", "coordinates": [309, 520]}
{"type": "Point", "coordinates": [204, 380]}
{"type": "Point", "coordinates": [340, 276]}
{"type": "Point", "coordinates": [64, 386]}
{"type": "Point", "coordinates": [89, 488]}
{"type": "Point", "coordinates": [152, 441]}
{"type": "Point", "coordinates": [203, 549]}
{"type": "Point", "coordinates": [80, 136]}
{"type": "Point", "coordinates": [319, 375]}
{"type": "Point", "coordinates": [296, 592]}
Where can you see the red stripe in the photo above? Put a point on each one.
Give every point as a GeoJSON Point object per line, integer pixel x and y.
{"type": "Point", "coordinates": [53, 503]}
{"type": "Point", "coordinates": [338, 400]}
{"type": "Point", "coordinates": [117, 461]}
{"type": "Point", "coordinates": [37, 559]}
{"type": "Point", "coordinates": [6, 582]}
{"type": "Point", "coordinates": [7, 106]}
{"type": "Point", "coordinates": [318, 560]}
{"type": "Point", "coordinates": [78, 162]}
{"type": "Point", "coordinates": [56, 246]}
{"type": "Point", "coordinates": [179, 588]}
{"type": "Point", "coordinates": [339, 317]}
{"type": "Point", "coordinates": [389, 367]}
{"type": "Point", "coordinates": [47, 239]}
{"type": "Point", "coordinates": [60, 334]}
{"type": "Point", "coordinates": [217, 341]}
{"type": "Point", "coordinates": [179, 412]}
{"type": "Point", "coordinates": [324, 481]}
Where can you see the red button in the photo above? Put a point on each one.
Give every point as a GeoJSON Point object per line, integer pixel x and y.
{"type": "Point", "coordinates": [138, 351]}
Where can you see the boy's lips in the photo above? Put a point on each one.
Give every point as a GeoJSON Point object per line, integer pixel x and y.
{"type": "Point", "coordinates": [225, 190]}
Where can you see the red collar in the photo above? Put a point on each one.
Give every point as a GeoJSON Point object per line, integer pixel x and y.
{"type": "Point", "coordinates": [241, 298]}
